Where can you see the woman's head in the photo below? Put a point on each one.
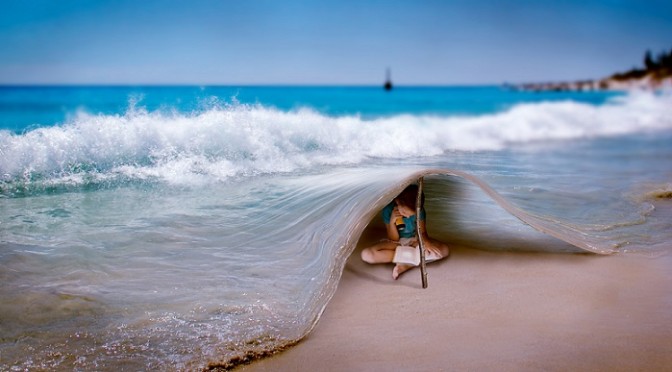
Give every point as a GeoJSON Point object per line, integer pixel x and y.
{"type": "Point", "coordinates": [408, 197]}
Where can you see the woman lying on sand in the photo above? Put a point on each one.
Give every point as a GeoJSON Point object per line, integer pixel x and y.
{"type": "Point", "coordinates": [404, 233]}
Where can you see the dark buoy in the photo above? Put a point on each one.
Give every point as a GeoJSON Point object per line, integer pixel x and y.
{"type": "Point", "coordinates": [388, 81]}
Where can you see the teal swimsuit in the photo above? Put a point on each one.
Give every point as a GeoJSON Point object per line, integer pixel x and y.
{"type": "Point", "coordinates": [409, 230]}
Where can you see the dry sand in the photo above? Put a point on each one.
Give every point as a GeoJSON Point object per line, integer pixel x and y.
{"type": "Point", "coordinates": [503, 311]}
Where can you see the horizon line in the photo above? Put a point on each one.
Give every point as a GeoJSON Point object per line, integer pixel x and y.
{"type": "Point", "coordinates": [266, 85]}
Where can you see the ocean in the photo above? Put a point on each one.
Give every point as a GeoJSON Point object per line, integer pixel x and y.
{"type": "Point", "coordinates": [178, 227]}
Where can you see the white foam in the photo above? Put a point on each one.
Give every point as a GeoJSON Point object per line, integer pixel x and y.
{"type": "Point", "coordinates": [235, 140]}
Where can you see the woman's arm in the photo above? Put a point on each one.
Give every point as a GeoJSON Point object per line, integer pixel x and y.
{"type": "Point", "coordinates": [392, 232]}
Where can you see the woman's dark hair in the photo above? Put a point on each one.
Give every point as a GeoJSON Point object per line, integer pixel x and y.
{"type": "Point", "coordinates": [409, 196]}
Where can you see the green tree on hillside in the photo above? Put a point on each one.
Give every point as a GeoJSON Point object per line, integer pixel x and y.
{"type": "Point", "coordinates": [648, 61]}
{"type": "Point", "coordinates": [662, 60]}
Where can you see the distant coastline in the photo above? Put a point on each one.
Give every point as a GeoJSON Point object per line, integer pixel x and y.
{"type": "Point", "coordinates": [656, 75]}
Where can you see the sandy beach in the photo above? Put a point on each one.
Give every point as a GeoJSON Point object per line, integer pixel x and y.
{"type": "Point", "coordinates": [487, 310]}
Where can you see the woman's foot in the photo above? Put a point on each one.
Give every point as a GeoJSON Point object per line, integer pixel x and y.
{"type": "Point", "coordinates": [399, 269]}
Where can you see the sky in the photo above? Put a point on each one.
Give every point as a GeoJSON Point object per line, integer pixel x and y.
{"type": "Point", "coordinates": [343, 42]}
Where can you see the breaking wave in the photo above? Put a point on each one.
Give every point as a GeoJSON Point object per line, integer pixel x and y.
{"type": "Point", "coordinates": [239, 140]}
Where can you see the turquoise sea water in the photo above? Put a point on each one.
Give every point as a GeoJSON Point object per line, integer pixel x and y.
{"type": "Point", "coordinates": [172, 227]}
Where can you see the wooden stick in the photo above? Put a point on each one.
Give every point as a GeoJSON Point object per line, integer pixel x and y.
{"type": "Point", "coordinates": [418, 209]}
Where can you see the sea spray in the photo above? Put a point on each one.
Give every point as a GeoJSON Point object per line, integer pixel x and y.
{"type": "Point", "coordinates": [240, 140]}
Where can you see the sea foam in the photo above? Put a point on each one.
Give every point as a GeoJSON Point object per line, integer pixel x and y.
{"type": "Point", "coordinates": [234, 140]}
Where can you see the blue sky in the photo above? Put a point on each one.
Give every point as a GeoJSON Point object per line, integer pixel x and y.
{"type": "Point", "coordinates": [325, 42]}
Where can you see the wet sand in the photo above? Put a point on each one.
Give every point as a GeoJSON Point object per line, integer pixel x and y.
{"type": "Point", "coordinates": [487, 310]}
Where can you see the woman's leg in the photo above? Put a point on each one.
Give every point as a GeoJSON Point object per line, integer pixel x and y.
{"type": "Point", "coordinates": [436, 245]}
{"type": "Point", "coordinates": [382, 252]}
{"type": "Point", "coordinates": [400, 269]}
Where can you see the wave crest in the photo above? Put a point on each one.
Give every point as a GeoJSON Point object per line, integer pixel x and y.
{"type": "Point", "coordinates": [237, 140]}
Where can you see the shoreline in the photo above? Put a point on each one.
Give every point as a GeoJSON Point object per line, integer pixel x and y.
{"type": "Point", "coordinates": [649, 82]}
{"type": "Point", "coordinates": [493, 310]}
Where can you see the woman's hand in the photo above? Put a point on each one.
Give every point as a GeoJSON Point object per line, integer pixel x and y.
{"type": "Point", "coordinates": [392, 232]}
{"type": "Point", "coordinates": [395, 214]}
